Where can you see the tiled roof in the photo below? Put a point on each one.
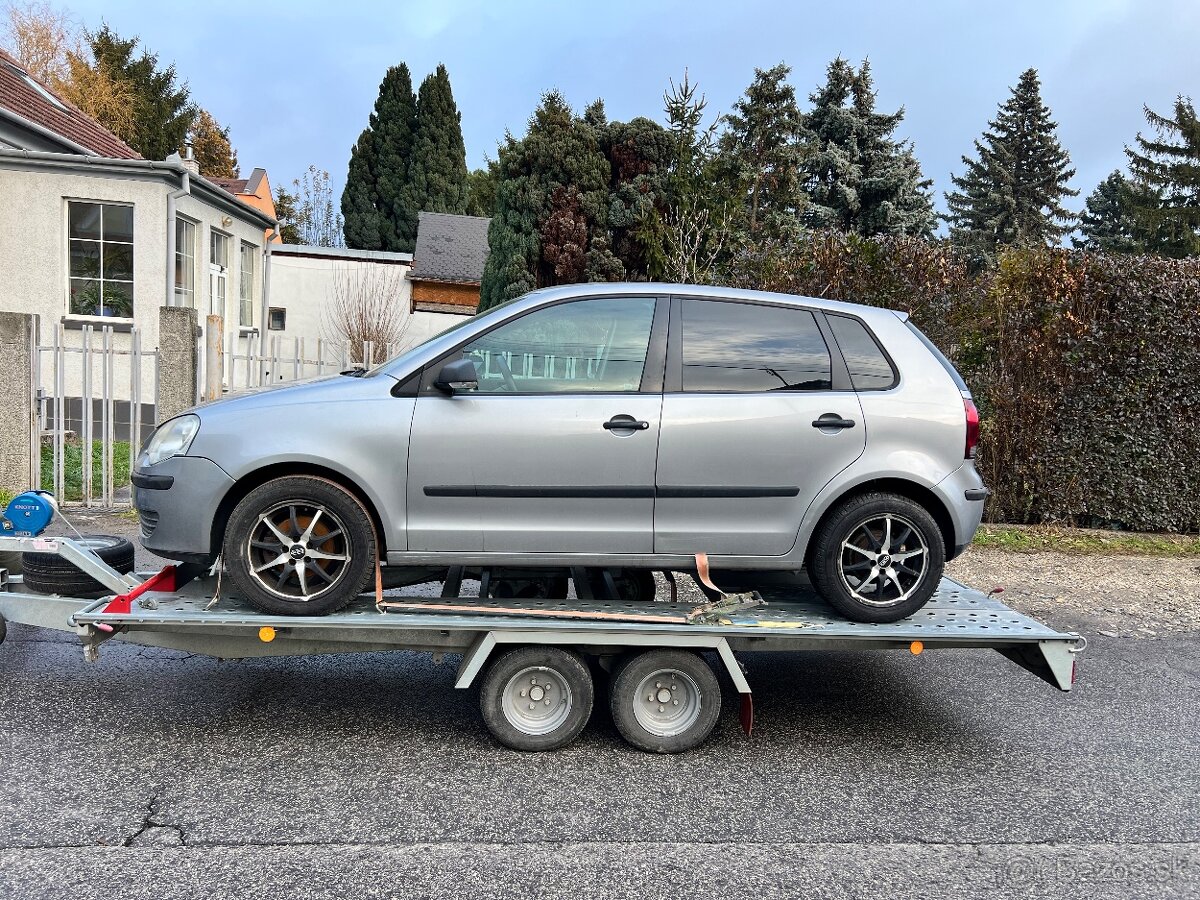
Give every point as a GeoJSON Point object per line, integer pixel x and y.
{"type": "Point", "coordinates": [25, 96]}
{"type": "Point", "coordinates": [450, 248]}
{"type": "Point", "coordinates": [235, 186]}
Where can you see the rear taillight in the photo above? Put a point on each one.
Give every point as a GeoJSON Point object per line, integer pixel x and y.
{"type": "Point", "coordinates": [972, 428]}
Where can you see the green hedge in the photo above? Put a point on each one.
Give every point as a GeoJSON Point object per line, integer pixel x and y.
{"type": "Point", "coordinates": [1086, 368]}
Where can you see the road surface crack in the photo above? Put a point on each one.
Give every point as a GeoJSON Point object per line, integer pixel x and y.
{"type": "Point", "coordinates": [154, 832]}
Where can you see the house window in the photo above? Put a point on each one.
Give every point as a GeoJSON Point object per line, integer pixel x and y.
{"type": "Point", "coordinates": [218, 270]}
{"type": "Point", "coordinates": [246, 283]}
{"type": "Point", "coordinates": [276, 319]}
{"type": "Point", "coordinates": [100, 262]}
{"type": "Point", "coordinates": [185, 263]}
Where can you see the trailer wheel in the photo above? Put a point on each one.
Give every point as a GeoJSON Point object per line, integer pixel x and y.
{"type": "Point", "coordinates": [665, 701]}
{"type": "Point", "coordinates": [49, 573]}
{"type": "Point", "coordinates": [537, 698]}
{"type": "Point", "coordinates": [299, 546]}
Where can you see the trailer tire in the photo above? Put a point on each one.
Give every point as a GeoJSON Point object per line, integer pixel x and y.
{"type": "Point", "coordinates": [49, 573]}
{"type": "Point", "coordinates": [316, 524]}
{"type": "Point", "coordinates": [665, 701]}
{"type": "Point", "coordinates": [537, 698]}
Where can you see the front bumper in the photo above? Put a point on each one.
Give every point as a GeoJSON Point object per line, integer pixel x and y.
{"type": "Point", "coordinates": [176, 502]}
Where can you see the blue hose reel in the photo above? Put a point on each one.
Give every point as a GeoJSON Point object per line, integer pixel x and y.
{"type": "Point", "coordinates": [27, 514]}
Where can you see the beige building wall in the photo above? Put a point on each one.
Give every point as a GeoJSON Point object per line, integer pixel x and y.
{"type": "Point", "coordinates": [34, 263]}
{"type": "Point", "coordinates": [306, 288]}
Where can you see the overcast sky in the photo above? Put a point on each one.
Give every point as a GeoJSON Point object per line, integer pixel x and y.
{"type": "Point", "coordinates": [296, 81]}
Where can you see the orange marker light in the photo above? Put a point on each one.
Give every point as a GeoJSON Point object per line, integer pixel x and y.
{"type": "Point", "coordinates": [266, 634]}
{"type": "Point", "coordinates": [916, 648]}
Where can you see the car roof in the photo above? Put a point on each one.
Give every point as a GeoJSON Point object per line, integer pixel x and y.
{"type": "Point", "coordinates": [702, 291]}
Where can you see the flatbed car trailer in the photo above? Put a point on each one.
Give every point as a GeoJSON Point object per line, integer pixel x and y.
{"type": "Point", "coordinates": [536, 661]}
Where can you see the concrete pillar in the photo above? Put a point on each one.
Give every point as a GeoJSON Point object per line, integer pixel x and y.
{"type": "Point", "coordinates": [20, 434]}
{"type": "Point", "coordinates": [177, 336]}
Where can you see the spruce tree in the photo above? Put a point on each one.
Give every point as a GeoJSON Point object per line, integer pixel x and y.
{"type": "Point", "coordinates": [1107, 224]}
{"type": "Point", "coordinates": [1013, 192]}
{"type": "Point", "coordinates": [858, 176]}
{"type": "Point", "coordinates": [163, 111]}
{"type": "Point", "coordinates": [548, 182]}
{"type": "Point", "coordinates": [1166, 181]}
{"type": "Point", "coordinates": [761, 154]}
{"type": "Point", "coordinates": [373, 201]}
{"type": "Point", "coordinates": [437, 172]}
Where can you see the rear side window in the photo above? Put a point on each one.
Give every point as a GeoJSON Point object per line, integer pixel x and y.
{"type": "Point", "coordinates": [869, 368]}
{"type": "Point", "coordinates": [743, 348]}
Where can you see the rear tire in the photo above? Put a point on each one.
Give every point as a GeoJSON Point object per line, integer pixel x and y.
{"type": "Point", "coordinates": [665, 701]}
{"type": "Point", "coordinates": [49, 573]}
{"type": "Point", "coordinates": [877, 558]}
{"type": "Point", "coordinates": [537, 698]}
{"type": "Point", "coordinates": [299, 546]}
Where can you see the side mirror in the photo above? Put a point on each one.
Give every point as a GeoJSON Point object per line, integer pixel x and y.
{"type": "Point", "coordinates": [457, 376]}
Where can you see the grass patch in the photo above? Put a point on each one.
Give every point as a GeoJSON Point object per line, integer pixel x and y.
{"type": "Point", "coordinates": [73, 468]}
{"type": "Point", "coordinates": [1043, 538]}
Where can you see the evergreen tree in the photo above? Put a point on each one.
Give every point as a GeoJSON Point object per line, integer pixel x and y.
{"type": "Point", "coordinates": [858, 176]}
{"type": "Point", "coordinates": [639, 155]}
{"type": "Point", "coordinates": [288, 216]}
{"type": "Point", "coordinates": [375, 214]}
{"type": "Point", "coordinates": [551, 193]}
{"type": "Point", "coordinates": [362, 220]}
{"type": "Point", "coordinates": [761, 154]}
{"type": "Point", "coordinates": [481, 190]}
{"type": "Point", "coordinates": [1013, 193]}
{"type": "Point", "coordinates": [1166, 181]}
{"type": "Point", "coordinates": [437, 172]}
{"type": "Point", "coordinates": [163, 112]}
{"type": "Point", "coordinates": [210, 143]}
{"type": "Point", "coordinates": [1107, 223]}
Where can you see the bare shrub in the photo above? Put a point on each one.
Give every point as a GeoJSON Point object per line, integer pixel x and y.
{"type": "Point", "coordinates": [365, 304]}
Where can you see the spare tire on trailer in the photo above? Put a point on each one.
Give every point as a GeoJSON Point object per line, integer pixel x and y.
{"type": "Point", "coordinates": [49, 573]}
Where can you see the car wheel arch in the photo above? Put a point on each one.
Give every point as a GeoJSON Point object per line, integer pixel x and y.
{"type": "Point", "coordinates": [913, 490]}
{"type": "Point", "coordinates": [261, 476]}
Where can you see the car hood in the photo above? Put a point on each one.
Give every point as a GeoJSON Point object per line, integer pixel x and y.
{"type": "Point", "coordinates": [322, 389]}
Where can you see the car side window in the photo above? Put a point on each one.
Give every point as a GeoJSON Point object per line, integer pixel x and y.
{"type": "Point", "coordinates": [746, 348]}
{"type": "Point", "coordinates": [585, 346]}
{"type": "Point", "coordinates": [869, 368]}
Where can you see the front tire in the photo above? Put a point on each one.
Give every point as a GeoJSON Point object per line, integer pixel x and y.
{"type": "Point", "coordinates": [877, 558]}
{"type": "Point", "coordinates": [299, 546]}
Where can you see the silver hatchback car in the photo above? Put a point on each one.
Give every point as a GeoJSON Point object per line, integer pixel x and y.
{"type": "Point", "coordinates": [614, 427]}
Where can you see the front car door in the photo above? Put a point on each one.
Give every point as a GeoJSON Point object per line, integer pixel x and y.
{"type": "Point", "coordinates": [740, 460]}
{"type": "Point", "coordinates": [555, 450]}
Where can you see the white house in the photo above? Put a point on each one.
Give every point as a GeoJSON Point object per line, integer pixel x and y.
{"type": "Point", "coordinates": [91, 234]}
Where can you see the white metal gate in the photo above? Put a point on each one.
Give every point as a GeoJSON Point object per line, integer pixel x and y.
{"type": "Point", "coordinates": [97, 402]}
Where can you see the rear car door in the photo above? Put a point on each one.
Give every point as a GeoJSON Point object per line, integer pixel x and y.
{"type": "Point", "coordinates": [743, 451]}
{"type": "Point", "coordinates": [555, 450]}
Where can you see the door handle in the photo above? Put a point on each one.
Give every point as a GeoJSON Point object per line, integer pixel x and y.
{"type": "Point", "coordinates": [832, 421]}
{"type": "Point", "coordinates": [625, 423]}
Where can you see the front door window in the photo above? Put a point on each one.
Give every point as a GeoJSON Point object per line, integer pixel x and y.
{"type": "Point", "coordinates": [589, 346]}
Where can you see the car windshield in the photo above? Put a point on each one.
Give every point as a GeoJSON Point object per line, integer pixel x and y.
{"type": "Point", "coordinates": [389, 363]}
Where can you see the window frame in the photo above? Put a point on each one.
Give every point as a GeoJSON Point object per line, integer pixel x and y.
{"type": "Point", "coordinates": [246, 301]}
{"type": "Point", "coordinates": [68, 242]}
{"type": "Point", "coordinates": [188, 299]}
{"type": "Point", "coordinates": [839, 374]}
{"type": "Point", "coordinates": [652, 371]}
{"type": "Point", "coordinates": [271, 310]}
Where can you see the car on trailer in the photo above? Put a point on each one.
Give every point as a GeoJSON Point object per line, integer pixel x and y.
{"type": "Point", "coordinates": [603, 431]}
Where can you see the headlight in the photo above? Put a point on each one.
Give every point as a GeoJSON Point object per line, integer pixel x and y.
{"type": "Point", "coordinates": [172, 439]}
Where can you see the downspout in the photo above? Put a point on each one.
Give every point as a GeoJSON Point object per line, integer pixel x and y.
{"type": "Point", "coordinates": [185, 188]}
{"type": "Point", "coordinates": [266, 294]}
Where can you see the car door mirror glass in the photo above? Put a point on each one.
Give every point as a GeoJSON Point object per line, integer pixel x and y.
{"type": "Point", "coordinates": [457, 376]}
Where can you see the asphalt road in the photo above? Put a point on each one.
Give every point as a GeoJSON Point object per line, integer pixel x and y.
{"type": "Point", "coordinates": [154, 774]}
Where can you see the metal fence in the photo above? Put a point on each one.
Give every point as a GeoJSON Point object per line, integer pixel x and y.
{"type": "Point", "coordinates": [247, 366]}
{"type": "Point", "coordinates": [97, 401]}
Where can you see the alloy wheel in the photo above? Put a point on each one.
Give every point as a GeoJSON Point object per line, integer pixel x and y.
{"type": "Point", "coordinates": [883, 560]}
{"type": "Point", "coordinates": [298, 550]}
